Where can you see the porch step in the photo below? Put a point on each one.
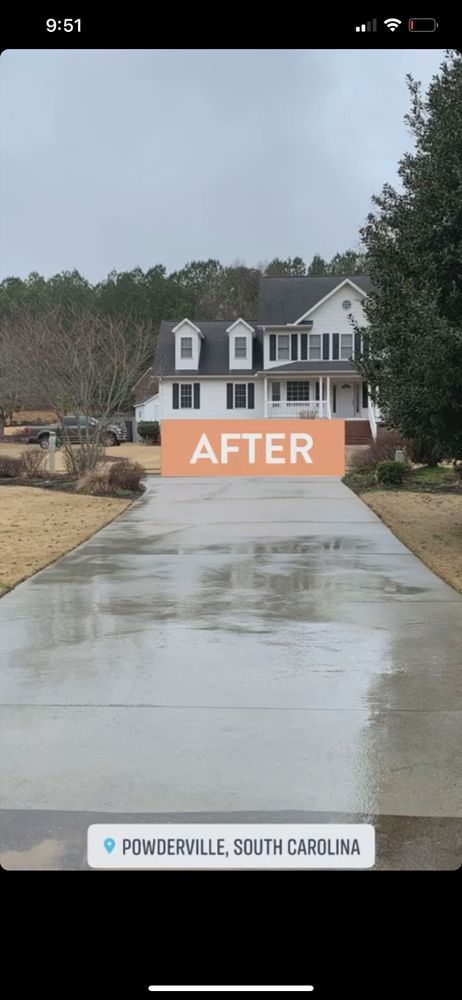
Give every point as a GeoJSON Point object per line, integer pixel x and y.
{"type": "Point", "coordinates": [357, 432]}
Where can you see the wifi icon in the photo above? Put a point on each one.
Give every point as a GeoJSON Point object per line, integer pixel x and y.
{"type": "Point", "coordinates": [392, 23]}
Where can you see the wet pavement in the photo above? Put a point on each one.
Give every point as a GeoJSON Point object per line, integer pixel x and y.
{"type": "Point", "coordinates": [234, 649]}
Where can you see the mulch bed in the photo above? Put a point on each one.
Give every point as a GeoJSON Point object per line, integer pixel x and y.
{"type": "Point", "coordinates": [65, 485]}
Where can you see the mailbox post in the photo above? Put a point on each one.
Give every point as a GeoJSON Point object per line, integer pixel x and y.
{"type": "Point", "coordinates": [52, 451]}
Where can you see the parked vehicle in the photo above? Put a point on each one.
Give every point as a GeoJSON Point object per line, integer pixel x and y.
{"type": "Point", "coordinates": [77, 428]}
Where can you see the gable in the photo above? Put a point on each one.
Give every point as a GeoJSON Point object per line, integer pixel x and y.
{"type": "Point", "coordinates": [331, 314]}
{"type": "Point", "coordinates": [287, 300]}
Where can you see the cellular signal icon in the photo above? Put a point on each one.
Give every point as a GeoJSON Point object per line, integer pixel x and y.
{"type": "Point", "coordinates": [369, 26]}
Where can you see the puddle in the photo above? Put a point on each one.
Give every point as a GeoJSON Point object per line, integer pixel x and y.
{"type": "Point", "coordinates": [41, 857]}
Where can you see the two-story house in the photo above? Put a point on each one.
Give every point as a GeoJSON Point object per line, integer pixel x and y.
{"type": "Point", "coordinates": [296, 360]}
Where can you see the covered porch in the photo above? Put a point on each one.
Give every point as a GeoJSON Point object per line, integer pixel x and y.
{"type": "Point", "coordinates": [343, 397]}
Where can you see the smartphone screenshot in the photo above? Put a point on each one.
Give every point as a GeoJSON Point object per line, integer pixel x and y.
{"type": "Point", "coordinates": [231, 456]}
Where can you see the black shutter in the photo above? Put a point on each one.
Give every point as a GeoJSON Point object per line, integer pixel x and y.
{"type": "Point", "coordinates": [175, 396]}
{"type": "Point", "coordinates": [272, 347]}
{"type": "Point", "coordinates": [325, 347]}
{"type": "Point", "coordinates": [304, 347]}
{"type": "Point", "coordinates": [251, 396]}
{"type": "Point", "coordinates": [229, 395]}
{"type": "Point", "coordinates": [365, 396]}
{"type": "Point", "coordinates": [294, 346]}
{"type": "Point", "coordinates": [317, 389]}
{"type": "Point", "coordinates": [335, 347]}
{"type": "Point", "coordinates": [357, 345]}
{"type": "Point", "coordinates": [334, 397]}
{"type": "Point", "coordinates": [197, 395]}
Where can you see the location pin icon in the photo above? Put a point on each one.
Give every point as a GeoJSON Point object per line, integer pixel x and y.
{"type": "Point", "coordinates": [109, 844]}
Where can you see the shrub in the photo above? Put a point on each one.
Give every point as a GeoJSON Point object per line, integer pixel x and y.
{"type": "Point", "coordinates": [149, 430]}
{"type": "Point", "coordinates": [78, 461]}
{"type": "Point", "coordinates": [381, 450]}
{"type": "Point", "coordinates": [10, 467]}
{"type": "Point", "coordinates": [93, 483]}
{"type": "Point", "coordinates": [390, 473]}
{"type": "Point", "coordinates": [423, 452]}
{"type": "Point", "coordinates": [117, 476]}
{"type": "Point", "coordinates": [33, 459]}
{"type": "Point", "coordinates": [122, 474]}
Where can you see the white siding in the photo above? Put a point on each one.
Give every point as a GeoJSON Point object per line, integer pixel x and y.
{"type": "Point", "coordinates": [149, 410]}
{"type": "Point", "coordinates": [330, 317]}
{"type": "Point", "coordinates": [213, 401]}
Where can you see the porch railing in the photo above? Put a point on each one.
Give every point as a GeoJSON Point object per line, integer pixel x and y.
{"type": "Point", "coordinates": [299, 409]}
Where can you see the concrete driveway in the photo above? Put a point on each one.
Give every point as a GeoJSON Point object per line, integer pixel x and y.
{"type": "Point", "coordinates": [234, 649]}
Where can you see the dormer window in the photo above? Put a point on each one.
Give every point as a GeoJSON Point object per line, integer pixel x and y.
{"type": "Point", "coordinates": [240, 335]}
{"type": "Point", "coordinates": [186, 347]}
{"type": "Point", "coordinates": [240, 347]}
{"type": "Point", "coordinates": [188, 339]}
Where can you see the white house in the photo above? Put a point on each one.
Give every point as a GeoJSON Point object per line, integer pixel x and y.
{"type": "Point", "coordinates": [148, 410]}
{"type": "Point", "coordinates": [147, 397]}
{"type": "Point", "coordinates": [296, 360]}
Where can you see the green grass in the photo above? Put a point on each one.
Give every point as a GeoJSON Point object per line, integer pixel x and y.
{"type": "Point", "coordinates": [432, 475]}
{"type": "Point", "coordinates": [4, 588]}
{"type": "Point", "coordinates": [428, 478]}
{"type": "Point", "coordinates": [360, 480]}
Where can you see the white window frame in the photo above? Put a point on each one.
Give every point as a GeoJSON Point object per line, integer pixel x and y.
{"type": "Point", "coordinates": [244, 386]}
{"type": "Point", "coordinates": [182, 405]}
{"type": "Point", "coordinates": [187, 355]}
{"type": "Point", "coordinates": [343, 356]}
{"type": "Point", "coordinates": [305, 394]}
{"type": "Point", "coordinates": [242, 346]}
{"type": "Point", "coordinates": [276, 398]}
{"type": "Point", "coordinates": [285, 357]}
{"type": "Point", "coordinates": [312, 357]}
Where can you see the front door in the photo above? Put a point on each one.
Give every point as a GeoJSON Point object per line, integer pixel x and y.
{"type": "Point", "coordinates": [345, 400]}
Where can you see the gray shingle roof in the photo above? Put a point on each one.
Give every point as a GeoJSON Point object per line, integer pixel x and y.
{"type": "Point", "coordinates": [214, 358]}
{"type": "Point", "coordinates": [284, 300]}
{"type": "Point", "coordinates": [312, 366]}
{"type": "Point", "coordinates": [281, 300]}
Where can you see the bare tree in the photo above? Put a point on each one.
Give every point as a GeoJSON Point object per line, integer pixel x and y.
{"type": "Point", "coordinates": [83, 364]}
{"type": "Point", "coordinates": [10, 393]}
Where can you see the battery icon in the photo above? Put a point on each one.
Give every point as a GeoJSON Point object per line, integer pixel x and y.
{"type": "Point", "coordinates": [422, 24]}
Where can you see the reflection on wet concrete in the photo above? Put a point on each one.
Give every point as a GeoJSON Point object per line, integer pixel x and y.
{"type": "Point", "coordinates": [407, 843]}
{"type": "Point", "coordinates": [243, 645]}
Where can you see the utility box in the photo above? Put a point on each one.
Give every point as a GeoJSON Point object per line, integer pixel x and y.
{"type": "Point", "coordinates": [399, 455]}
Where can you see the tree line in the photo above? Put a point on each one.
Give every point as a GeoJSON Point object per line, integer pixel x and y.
{"type": "Point", "coordinates": [202, 289]}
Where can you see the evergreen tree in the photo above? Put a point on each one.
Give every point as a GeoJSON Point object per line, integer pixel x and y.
{"type": "Point", "coordinates": [413, 241]}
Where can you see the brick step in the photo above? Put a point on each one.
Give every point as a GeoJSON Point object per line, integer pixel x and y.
{"type": "Point", "coordinates": [357, 432]}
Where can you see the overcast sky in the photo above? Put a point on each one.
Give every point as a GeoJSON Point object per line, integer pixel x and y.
{"type": "Point", "coordinates": [113, 159]}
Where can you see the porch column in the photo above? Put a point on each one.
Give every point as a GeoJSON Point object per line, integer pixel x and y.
{"type": "Point", "coordinates": [321, 396]}
{"type": "Point", "coordinates": [329, 409]}
{"type": "Point", "coordinates": [266, 396]}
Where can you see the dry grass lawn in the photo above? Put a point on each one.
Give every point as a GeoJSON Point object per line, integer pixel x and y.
{"type": "Point", "coordinates": [147, 454]}
{"type": "Point", "coordinates": [430, 525]}
{"type": "Point", "coordinates": [38, 526]}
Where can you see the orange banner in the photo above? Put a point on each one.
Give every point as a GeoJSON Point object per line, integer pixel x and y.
{"type": "Point", "coordinates": [253, 448]}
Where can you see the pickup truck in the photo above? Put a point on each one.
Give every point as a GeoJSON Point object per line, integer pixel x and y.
{"type": "Point", "coordinates": [76, 428]}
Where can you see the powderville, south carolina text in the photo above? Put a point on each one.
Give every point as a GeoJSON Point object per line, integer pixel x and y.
{"type": "Point", "coordinates": [248, 846]}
